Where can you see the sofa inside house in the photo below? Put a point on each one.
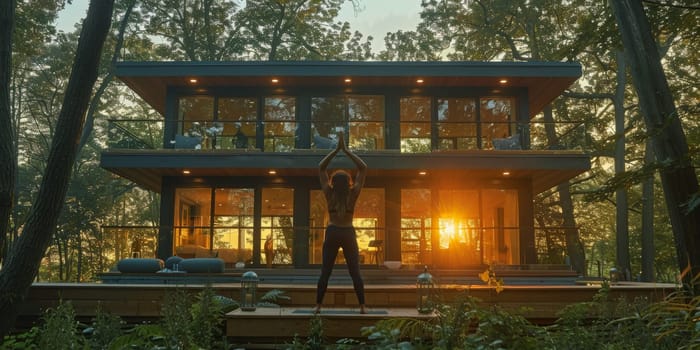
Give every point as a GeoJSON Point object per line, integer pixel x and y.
{"type": "Point", "coordinates": [230, 256]}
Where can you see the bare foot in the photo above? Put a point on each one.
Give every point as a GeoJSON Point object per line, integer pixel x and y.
{"type": "Point", "coordinates": [363, 310]}
{"type": "Point", "coordinates": [317, 309]}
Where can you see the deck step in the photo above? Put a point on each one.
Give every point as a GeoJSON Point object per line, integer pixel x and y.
{"type": "Point", "coordinates": [281, 325]}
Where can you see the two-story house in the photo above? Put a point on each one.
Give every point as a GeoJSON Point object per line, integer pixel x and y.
{"type": "Point", "coordinates": [454, 159]}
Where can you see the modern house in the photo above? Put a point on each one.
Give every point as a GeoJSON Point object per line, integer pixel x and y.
{"type": "Point", "coordinates": [454, 157]}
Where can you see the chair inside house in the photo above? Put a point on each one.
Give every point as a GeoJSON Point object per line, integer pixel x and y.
{"type": "Point", "coordinates": [376, 247]}
{"type": "Point", "coordinates": [508, 143]}
{"type": "Point", "coordinates": [187, 142]}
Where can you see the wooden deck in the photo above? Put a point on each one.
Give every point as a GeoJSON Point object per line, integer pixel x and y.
{"type": "Point", "coordinates": [543, 293]}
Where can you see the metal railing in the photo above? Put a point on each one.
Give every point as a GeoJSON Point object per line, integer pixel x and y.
{"type": "Point", "coordinates": [282, 136]}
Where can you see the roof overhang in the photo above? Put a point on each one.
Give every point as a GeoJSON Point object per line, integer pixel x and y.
{"type": "Point", "coordinates": [543, 169]}
{"type": "Point", "coordinates": [543, 80]}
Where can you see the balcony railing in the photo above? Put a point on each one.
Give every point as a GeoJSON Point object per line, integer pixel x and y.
{"type": "Point", "coordinates": [283, 136]}
{"type": "Point", "coordinates": [489, 244]}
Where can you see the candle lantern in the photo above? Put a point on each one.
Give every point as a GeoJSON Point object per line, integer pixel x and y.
{"type": "Point", "coordinates": [424, 288]}
{"type": "Point", "coordinates": [249, 287]}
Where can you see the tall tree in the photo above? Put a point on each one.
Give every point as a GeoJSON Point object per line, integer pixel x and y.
{"type": "Point", "coordinates": [678, 176]}
{"type": "Point", "coordinates": [8, 161]}
{"type": "Point", "coordinates": [294, 29]}
{"type": "Point", "coordinates": [203, 30]}
{"type": "Point", "coordinates": [33, 28]}
{"type": "Point", "coordinates": [22, 264]}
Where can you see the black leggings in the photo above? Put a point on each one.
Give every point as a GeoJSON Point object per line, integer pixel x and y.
{"type": "Point", "coordinates": [340, 237]}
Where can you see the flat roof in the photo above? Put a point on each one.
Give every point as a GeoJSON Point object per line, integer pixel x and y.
{"type": "Point", "coordinates": [544, 80]}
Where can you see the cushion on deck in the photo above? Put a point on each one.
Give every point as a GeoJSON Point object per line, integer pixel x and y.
{"type": "Point", "coordinates": [199, 265]}
{"type": "Point", "coordinates": [140, 265]}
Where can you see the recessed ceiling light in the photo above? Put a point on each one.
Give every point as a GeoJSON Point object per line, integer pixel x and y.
{"type": "Point", "coordinates": [275, 80]}
{"type": "Point", "coordinates": [503, 81]}
{"type": "Point", "coordinates": [186, 172]}
{"type": "Point", "coordinates": [419, 81]}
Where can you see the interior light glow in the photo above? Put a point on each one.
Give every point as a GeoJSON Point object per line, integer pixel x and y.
{"type": "Point", "coordinates": [275, 80]}
{"type": "Point", "coordinates": [186, 172]}
{"type": "Point", "coordinates": [422, 173]}
{"type": "Point", "coordinates": [193, 80]}
{"type": "Point", "coordinates": [503, 81]}
{"type": "Point", "coordinates": [272, 172]}
{"type": "Point", "coordinates": [419, 81]}
{"type": "Point", "coordinates": [348, 80]}
{"type": "Point", "coordinates": [506, 173]}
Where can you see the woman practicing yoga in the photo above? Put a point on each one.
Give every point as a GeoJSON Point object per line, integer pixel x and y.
{"type": "Point", "coordinates": [341, 193]}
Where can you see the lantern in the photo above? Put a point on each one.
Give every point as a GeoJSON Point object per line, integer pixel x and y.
{"type": "Point", "coordinates": [614, 275]}
{"type": "Point", "coordinates": [424, 288]}
{"type": "Point", "coordinates": [249, 286]}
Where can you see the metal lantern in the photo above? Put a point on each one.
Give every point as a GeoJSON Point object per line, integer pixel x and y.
{"type": "Point", "coordinates": [424, 288]}
{"type": "Point", "coordinates": [249, 287]}
{"type": "Point", "coordinates": [614, 275]}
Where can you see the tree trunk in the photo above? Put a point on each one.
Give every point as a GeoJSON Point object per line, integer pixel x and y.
{"type": "Point", "coordinates": [648, 250]}
{"type": "Point", "coordinates": [678, 177]}
{"type": "Point", "coordinates": [574, 248]}
{"type": "Point", "coordinates": [8, 161]}
{"type": "Point", "coordinates": [622, 235]}
{"type": "Point", "coordinates": [22, 264]}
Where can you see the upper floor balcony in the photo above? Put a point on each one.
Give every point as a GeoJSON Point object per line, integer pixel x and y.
{"type": "Point", "coordinates": [446, 119]}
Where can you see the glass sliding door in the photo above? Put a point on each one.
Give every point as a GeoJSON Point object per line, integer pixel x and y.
{"type": "Point", "coordinates": [233, 225]}
{"type": "Point", "coordinates": [500, 231]}
{"type": "Point", "coordinates": [416, 241]}
{"type": "Point", "coordinates": [277, 226]}
{"type": "Point", "coordinates": [192, 227]}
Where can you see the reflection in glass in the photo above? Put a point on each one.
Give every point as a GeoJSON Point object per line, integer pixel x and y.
{"type": "Point", "coordinates": [238, 115]}
{"type": "Point", "coordinates": [456, 123]}
{"type": "Point", "coordinates": [415, 124]}
{"type": "Point", "coordinates": [279, 123]}
{"type": "Point", "coordinates": [361, 117]}
{"type": "Point", "coordinates": [497, 116]}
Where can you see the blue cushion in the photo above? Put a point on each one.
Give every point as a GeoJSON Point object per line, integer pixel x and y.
{"type": "Point", "coordinates": [200, 265]}
{"type": "Point", "coordinates": [139, 265]}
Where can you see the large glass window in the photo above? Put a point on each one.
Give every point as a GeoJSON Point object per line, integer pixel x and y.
{"type": "Point", "coordinates": [497, 119]}
{"type": "Point", "coordinates": [458, 231]}
{"type": "Point", "coordinates": [233, 224]}
{"type": "Point", "coordinates": [416, 245]}
{"type": "Point", "coordinates": [456, 123]}
{"type": "Point", "coordinates": [279, 123]}
{"type": "Point", "coordinates": [195, 117]}
{"type": "Point", "coordinates": [415, 124]}
{"type": "Point", "coordinates": [193, 222]}
{"type": "Point", "coordinates": [361, 117]}
{"type": "Point", "coordinates": [369, 223]}
{"type": "Point", "coordinates": [277, 226]}
{"type": "Point", "coordinates": [500, 232]}
{"type": "Point", "coordinates": [237, 122]}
